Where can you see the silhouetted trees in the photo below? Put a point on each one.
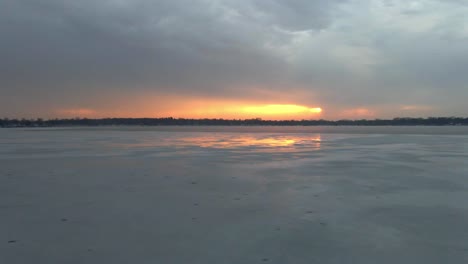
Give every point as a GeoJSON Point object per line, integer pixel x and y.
{"type": "Point", "coordinates": [169, 121]}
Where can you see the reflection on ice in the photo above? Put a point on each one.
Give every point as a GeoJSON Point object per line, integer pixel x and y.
{"type": "Point", "coordinates": [119, 142]}
{"type": "Point", "coordinates": [270, 142]}
{"type": "Point", "coordinates": [251, 141]}
{"type": "Point", "coordinates": [365, 198]}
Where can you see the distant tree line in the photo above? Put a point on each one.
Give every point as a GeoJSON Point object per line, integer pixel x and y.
{"type": "Point", "coordinates": [169, 121]}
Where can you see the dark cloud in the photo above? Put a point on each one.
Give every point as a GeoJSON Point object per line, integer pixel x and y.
{"type": "Point", "coordinates": [344, 54]}
{"type": "Point", "coordinates": [135, 43]}
{"type": "Point", "coordinates": [297, 14]}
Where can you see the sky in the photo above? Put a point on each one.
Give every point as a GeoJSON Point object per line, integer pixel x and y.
{"type": "Point", "coordinates": [273, 59]}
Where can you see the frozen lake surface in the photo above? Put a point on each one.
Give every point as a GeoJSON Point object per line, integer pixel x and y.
{"type": "Point", "coordinates": [234, 195]}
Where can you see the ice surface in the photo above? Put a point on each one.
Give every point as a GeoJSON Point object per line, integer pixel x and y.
{"type": "Point", "coordinates": [234, 195]}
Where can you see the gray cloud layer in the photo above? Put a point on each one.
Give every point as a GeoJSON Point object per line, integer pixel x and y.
{"type": "Point", "coordinates": [389, 56]}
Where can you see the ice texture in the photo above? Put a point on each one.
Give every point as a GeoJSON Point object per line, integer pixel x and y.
{"type": "Point", "coordinates": [234, 195]}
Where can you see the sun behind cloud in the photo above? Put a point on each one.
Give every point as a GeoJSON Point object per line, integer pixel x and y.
{"type": "Point", "coordinates": [238, 109]}
{"type": "Point", "coordinates": [235, 109]}
{"type": "Point", "coordinates": [281, 109]}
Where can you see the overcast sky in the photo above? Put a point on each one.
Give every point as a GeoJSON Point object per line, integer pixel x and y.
{"type": "Point", "coordinates": [354, 59]}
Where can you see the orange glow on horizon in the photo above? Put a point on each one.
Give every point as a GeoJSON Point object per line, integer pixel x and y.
{"type": "Point", "coordinates": [240, 110]}
{"type": "Point", "coordinates": [281, 109]}
{"type": "Point", "coordinates": [193, 107]}
{"type": "Point", "coordinates": [255, 110]}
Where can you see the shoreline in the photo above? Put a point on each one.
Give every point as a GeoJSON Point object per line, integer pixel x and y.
{"type": "Point", "coordinates": [412, 130]}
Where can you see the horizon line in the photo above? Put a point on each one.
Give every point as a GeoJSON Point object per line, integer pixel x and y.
{"type": "Point", "coordinates": [226, 119]}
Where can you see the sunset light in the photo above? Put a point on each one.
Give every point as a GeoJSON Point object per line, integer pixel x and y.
{"type": "Point", "coordinates": [280, 109]}
{"type": "Point", "coordinates": [222, 108]}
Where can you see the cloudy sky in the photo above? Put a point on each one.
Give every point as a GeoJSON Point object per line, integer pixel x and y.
{"type": "Point", "coordinates": [217, 58]}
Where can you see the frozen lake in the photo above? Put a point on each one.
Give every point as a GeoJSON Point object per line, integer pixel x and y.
{"type": "Point", "coordinates": [234, 195]}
